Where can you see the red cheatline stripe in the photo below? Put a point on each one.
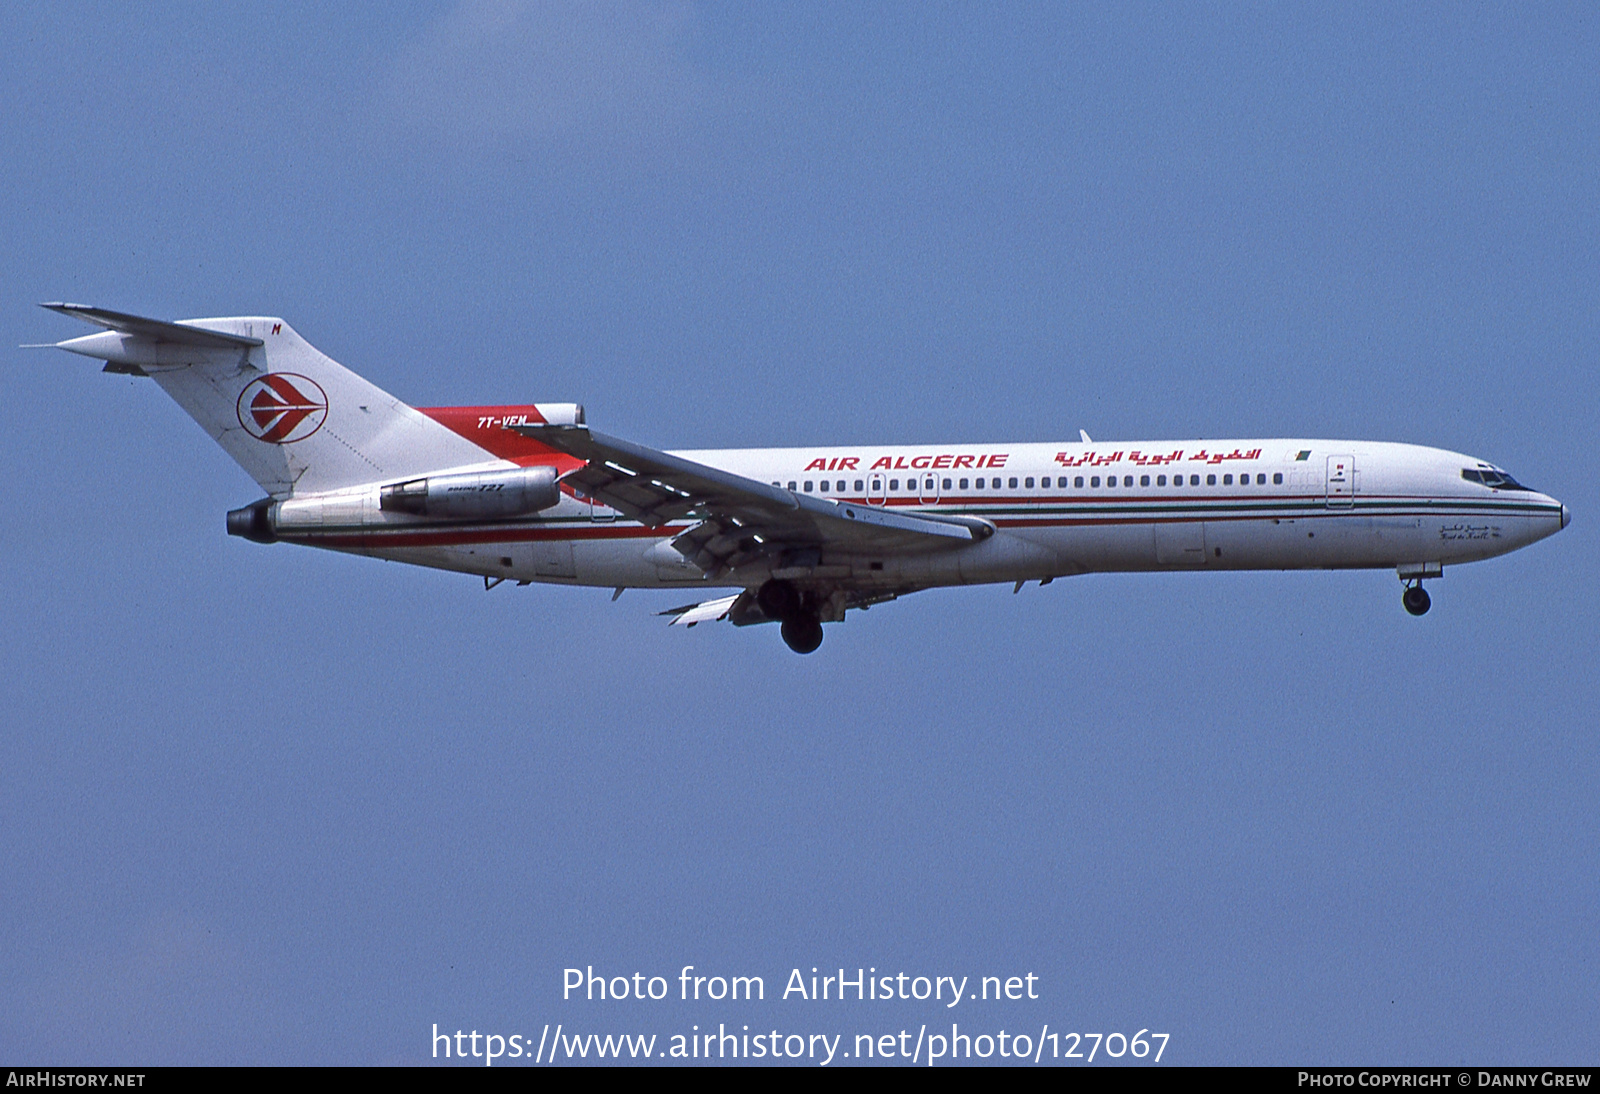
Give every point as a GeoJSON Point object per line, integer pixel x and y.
{"type": "Point", "coordinates": [425, 537]}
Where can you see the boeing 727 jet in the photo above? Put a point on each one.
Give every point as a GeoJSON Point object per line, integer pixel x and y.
{"type": "Point", "coordinates": [796, 536]}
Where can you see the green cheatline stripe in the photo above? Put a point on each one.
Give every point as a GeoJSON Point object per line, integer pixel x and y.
{"type": "Point", "coordinates": [1260, 508]}
{"type": "Point", "coordinates": [1302, 510]}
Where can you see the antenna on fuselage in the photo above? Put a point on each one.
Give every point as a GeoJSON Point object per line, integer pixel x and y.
{"type": "Point", "coordinates": [1084, 433]}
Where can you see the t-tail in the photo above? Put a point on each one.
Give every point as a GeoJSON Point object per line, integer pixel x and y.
{"type": "Point", "coordinates": [295, 419]}
{"type": "Point", "coordinates": [307, 428]}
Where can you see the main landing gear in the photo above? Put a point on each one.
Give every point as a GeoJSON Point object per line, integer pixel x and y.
{"type": "Point", "coordinates": [1416, 599]}
{"type": "Point", "coordinates": [801, 626]}
{"type": "Point", "coordinates": [803, 634]}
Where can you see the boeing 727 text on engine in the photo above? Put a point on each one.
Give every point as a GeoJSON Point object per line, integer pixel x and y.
{"type": "Point", "coordinates": [797, 536]}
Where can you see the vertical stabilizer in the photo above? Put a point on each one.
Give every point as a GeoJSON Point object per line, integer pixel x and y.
{"type": "Point", "coordinates": [292, 417]}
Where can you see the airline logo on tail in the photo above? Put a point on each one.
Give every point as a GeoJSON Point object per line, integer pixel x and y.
{"type": "Point", "coordinates": [282, 407]}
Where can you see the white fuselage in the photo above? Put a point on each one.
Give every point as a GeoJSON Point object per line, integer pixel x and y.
{"type": "Point", "coordinates": [1057, 509]}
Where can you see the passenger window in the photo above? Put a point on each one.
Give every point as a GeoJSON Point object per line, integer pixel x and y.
{"type": "Point", "coordinates": [894, 484]}
{"type": "Point", "coordinates": [1127, 480]}
{"type": "Point", "coordinates": [1078, 482]}
{"type": "Point", "coordinates": [774, 484]}
{"type": "Point", "coordinates": [808, 486]}
{"type": "Point", "coordinates": [977, 484]}
{"type": "Point", "coordinates": [1277, 478]}
{"type": "Point", "coordinates": [1261, 480]}
{"type": "Point", "coordinates": [1194, 480]}
{"type": "Point", "coordinates": [1028, 482]}
{"type": "Point", "coordinates": [824, 486]}
{"type": "Point", "coordinates": [858, 486]}
{"type": "Point", "coordinates": [1227, 480]}
{"type": "Point", "coordinates": [1161, 480]}
{"type": "Point", "coordinates": [1013, 484]}
{"type": "Point", "coordinates": [995, 483]}
{"type": "Point", "coordinates": [1211, 480]}
{"type": "Point", "coordinates": [963, 484]}
{"type": "Point", "coordinates": [1094, 481]}
{"type": "Point", "coordinates": [1144, 480]}
{"type": "Point", "coordinates": [793, 485]}
{"type": "Point", "coordinates": [1111, 482]}
{"type": "Point", "coordinates": [947, 484]}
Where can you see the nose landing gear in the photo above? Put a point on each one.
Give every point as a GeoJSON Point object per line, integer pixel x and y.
{"type": "Point", "coordinates": [1416, 599]}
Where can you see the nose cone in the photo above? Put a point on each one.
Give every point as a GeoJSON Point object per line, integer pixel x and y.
{"type": "Point", "coordinates": [1566, 516]}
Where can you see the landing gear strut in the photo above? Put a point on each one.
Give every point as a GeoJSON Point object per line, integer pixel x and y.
{"type": "Point", "coordinates": [801, 627]}
{"type": "Point", "coordinates": [1416, 599]}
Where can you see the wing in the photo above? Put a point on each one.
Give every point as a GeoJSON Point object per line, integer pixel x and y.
{"type": "Point", "coordinates": [739, 519]}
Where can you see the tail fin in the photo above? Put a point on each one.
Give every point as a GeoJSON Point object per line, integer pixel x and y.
{"type": "Point", "coordinates": [296, 420]}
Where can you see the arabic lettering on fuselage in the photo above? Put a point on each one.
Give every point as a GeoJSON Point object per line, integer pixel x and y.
{"type": "Point", "coordinates": [1469, 531]}
{"type": "Point", "coordinates": [1092, 458]}
{"type": "Point", "coordinates": [1089, 458]}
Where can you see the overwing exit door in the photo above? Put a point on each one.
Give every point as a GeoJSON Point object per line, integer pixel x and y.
{"type": "Point", "coordinates": [877, 489]}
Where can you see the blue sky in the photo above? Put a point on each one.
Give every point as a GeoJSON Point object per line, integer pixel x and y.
{"type": "Point", "coordinates": [271, 805]}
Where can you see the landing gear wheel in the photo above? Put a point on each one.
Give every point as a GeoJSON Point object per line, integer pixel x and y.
{"type": "Point", "coordinates": [1416, 600]}
{"type": "Point", "coordinates": [802, 633]}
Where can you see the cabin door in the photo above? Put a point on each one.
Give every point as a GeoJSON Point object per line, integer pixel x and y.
{"type": "Point", "coordinates": [1341, 482]}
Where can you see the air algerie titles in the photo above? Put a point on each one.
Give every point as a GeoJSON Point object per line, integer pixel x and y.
{"type": "Point", "coordinates": [901, 463]}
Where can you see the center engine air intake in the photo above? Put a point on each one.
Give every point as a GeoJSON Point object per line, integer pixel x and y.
{"type": "Point", "coordinates": [483, 495]}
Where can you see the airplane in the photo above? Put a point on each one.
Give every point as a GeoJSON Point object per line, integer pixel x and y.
{"type": "Point", "coordinates": [800, 536]}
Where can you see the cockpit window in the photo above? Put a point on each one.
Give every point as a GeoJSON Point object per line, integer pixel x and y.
{"type": "Point", "coordinates": [1497, 480]}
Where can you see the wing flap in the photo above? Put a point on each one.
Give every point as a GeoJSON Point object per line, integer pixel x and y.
{"type": "Point", "coordinates": [706, 612]}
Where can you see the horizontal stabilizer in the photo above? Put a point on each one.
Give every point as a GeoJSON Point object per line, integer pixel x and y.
{"type": "Point", "coordinates": [156, 330]}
